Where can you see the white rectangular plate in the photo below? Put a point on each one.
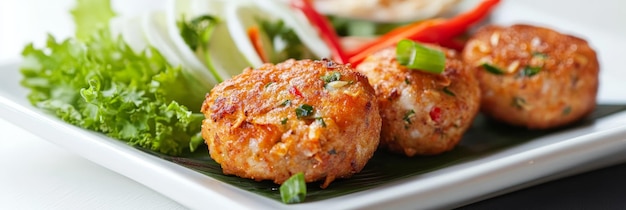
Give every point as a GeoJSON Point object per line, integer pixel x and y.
{"type": "Point", "coordinates": [560, 153]}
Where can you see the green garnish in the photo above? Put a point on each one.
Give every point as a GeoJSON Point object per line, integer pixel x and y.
{"type": "Point", "coordinates": [492, 69]}
{"type": "Point", "coordinates": [416, 56]}
{"type": "Point", "coordinates": [540, 55]}
{"type": "Point", "coordinates": [102, 85]}
{"type": "Point", "coordinates": [293, 190]}
{"type": "Point", "coordinates": [406, 81]}
{"type": "Point", "coordinates": [567, 110]}
{"type": "Point", "coordinates": [407, 116]}
{"type": "Point", "coordinates": [97, 82]}
{"type": "Point", "coordinates": [284, 41]}
{"type": "Point", "coordinates": [285, 103]}
{"type": "Point", "coordinates": [331, 77]}
{"type": "Point", "coordinates": [519, 102]}
{"type": "Point", "coordinates": [304, 111]}
{"type": "Point", "coordinates": [320, 120]}
{"type": "Point", "coordinates": [268, 84]}
{"type": "Point", "coordinates": [284, 121]}
{"type": "Point", "coordinates": [529, 71]}
{"type": "Point", "coordinates": [447, 91]}
{"type": "Point", "coordinates": [197, 32]}
{"type": "Point", "coordinates": [332, 152]}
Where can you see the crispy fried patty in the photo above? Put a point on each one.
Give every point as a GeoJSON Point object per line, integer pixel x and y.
{"type": "Point", "coordinates": [316, 117]}
{"type": "Point", "coordinates": [533, 77]}
{"type": "Point", "coordinates": [423, 113]}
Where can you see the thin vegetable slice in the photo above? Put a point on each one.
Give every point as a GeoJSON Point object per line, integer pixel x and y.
{"type": "Point", "coordinates": [257, 42]}
{"type": "Point", "coordinates": [240, 17]}
{"type": "Point", "coordinates": [223, 54]}
{"type": "Point", "coordinates": [294, 189]}
{"type": "Point", "coordinates": [416, 56]}
{"type": "Point", "coordinates": [193, 61]}
{"type": "Point", "coordinates": [298, 24]}
{"type": "Point", "coordinates": [285, 43]}
{"type": "Point", "coordinates": [325, 29]}
{"type": "Point", "coordinates": [155, 29]}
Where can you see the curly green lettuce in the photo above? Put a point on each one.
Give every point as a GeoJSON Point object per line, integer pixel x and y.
{"type": "Point", "coordinates": [97, 82]}
{"type": "Point", "coordinates": [102, 85]}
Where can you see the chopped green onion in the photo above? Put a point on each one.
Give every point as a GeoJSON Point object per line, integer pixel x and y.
{"type": "Point", "coordinates": [304, 111]}
{"type": "Point", "coordinates": [268, 84]}
{"type": "Point", "coordinates": [284, 121]}
{"type": "Point", "coordinates": [492, 69]}
{"type": "Point", "coordinates": [285, 103]}
{"type": "Point", "coordinates": [293, 190]}
{"type": "Point", "coordinates": [447, 91]}
{"type": "Point", "coordinates": [331, 77]}
{"type": "Point", "coordinates": [416, 56]}
{"type": "Point", "coordinates": [529, 71]}
{"type": "Point", "coordinates": [408, 115]}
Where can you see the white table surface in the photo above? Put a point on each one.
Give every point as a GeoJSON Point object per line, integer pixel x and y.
{"type": "Point", "coordinates": [35, 174]}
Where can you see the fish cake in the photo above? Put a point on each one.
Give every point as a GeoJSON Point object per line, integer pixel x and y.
{"type": "Point", "coordinates": [423, 113]}
{"type": "Point", "coordinates": [315, 117]}
{"type": "Point", "coordinates": [532, 76]}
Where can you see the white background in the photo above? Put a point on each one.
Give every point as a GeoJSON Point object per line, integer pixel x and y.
{"type": "Point", "coordinates": [35, 174]}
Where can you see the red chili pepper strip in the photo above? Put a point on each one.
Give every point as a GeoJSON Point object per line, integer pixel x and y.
{"type": "Point", "coordinates": [456, 43]}
{"type": "Point", "coordinates": [294, 90]}
{"type": "Point", "coordinates": [429, 31]}
{"type": "Point", "coordinates": [457, 25]}
{"type": "Point", "coordinates": [324, 28]}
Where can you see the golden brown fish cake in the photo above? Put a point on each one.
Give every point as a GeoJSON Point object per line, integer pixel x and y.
{"type": "Point", "coordinates": [546, 79]}
{"type": "Point", "coordinates": [423, 113]}
{"type": "Point", "coordinates": [316, 117]}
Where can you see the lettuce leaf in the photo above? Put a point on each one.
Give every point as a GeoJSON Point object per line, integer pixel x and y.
{"type": "Point", "coordinates": [102, 85]}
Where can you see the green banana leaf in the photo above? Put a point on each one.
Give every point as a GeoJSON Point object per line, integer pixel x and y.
{"type": "Point", "coordinates": [485, 137]}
